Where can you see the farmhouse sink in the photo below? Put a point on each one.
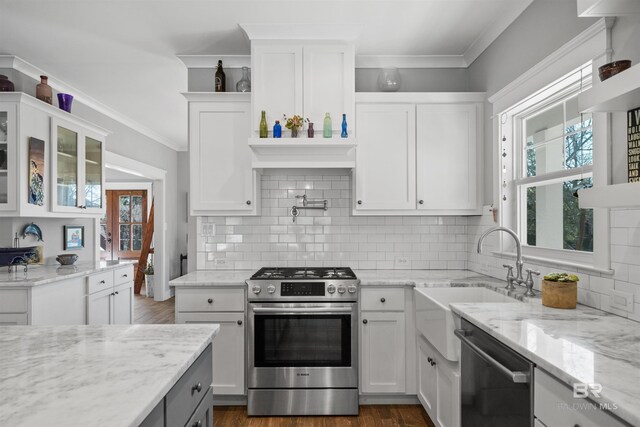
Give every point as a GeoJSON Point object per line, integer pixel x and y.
{"type": "Point", "coordinates": [434, 318]}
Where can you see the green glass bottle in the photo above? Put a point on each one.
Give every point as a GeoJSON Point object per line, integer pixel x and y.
{"type": "Point", "coordinates": [326, 127]}
{"type": "Point", "coordinates": [264, 131]}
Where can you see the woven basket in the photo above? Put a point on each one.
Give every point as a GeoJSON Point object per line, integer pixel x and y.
{"type": "Point", "coordinates": [559, 294]}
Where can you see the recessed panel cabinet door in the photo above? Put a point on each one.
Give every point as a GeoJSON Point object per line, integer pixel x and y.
{"type": "Point", "coordinates": [221, 176]}
{"type": "Point", "coordinates": [382, 352]}
{"type": "Point", "coordinates": [427, 387]}
{"type": "Point", "coordinates": [386, 157]}
{"type": "Point", "coordinates": [446, 154]}
{"type": "Point", "coordinates": [123, 304]}
{"type": "Point", "coordinates": [100, 308]}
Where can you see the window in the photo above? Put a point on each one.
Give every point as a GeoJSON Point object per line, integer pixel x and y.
{"type": "Point", "coordinates": [547, 156]}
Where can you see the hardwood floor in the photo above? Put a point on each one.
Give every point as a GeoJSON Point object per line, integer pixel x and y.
{"type": "Point", "coordinates": [146, 310]}
{"type": "Point", "coordinates": [370, 416]}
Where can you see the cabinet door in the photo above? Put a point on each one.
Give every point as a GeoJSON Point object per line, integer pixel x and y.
{"type": "Point", "coordinates": [329, 84]}
{"type": "Point", "coordinates": [66, 167]}
{"type": "Point", "coordinates": [427, 382]}
{"type": "Point", "coordinates": [386, 157]}
{"type": "Point", "coordinates": [12, 319]}
{"type": "Point", "coordinates": [382, 352]}
{"type": "Point", "coordinates": [123, 304]}
{"type": "Point", "coordinates": [448, 394]}
{"type": "Point", "coordinates": [228, 349]}
{"type": "Point", "coordinates": [276, 73]}
{"type": "Point", "coordinates": [99, 307]}
{"type": "Point", "coordinates": [222, 180]}
{"type": "Point", "coordinates": [8, 153]}
{"type": "Point", "coordinates": [447, 157]}
{"type": "Point", "coordinates": [92, 193]}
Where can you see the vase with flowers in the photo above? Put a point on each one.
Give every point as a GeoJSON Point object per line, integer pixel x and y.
{"type": "Point", "coordinates": [294, 123]}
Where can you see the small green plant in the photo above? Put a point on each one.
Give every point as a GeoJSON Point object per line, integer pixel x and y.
{"type": "Point", "coordinates": [561, 277]}
{"type": "Point", "coordinates": [149, 270]}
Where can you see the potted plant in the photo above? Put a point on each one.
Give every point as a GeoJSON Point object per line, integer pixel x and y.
{"type": "Point", "coordinates": [148, 279]}
{"type": "Point", "coordinates": [294, 123]}
{"type": "Point", "coordinates": [560, 290]}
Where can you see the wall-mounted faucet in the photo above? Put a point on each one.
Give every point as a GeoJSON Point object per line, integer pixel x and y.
{"type": "Point", "coordinates": [511, 279]}
{"type": "Point", "coordinates": [307, 204]}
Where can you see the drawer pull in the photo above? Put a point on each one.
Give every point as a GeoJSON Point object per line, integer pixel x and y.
{"type": "Point", "coordinates": [102, 282]}
{"type": "Point", "coordinates": [429, 359]}
{"type": "Point", "coordinates": [382, 299]}
{"type": "Point", "coordinates": [433, 362]}
{"type": "Point", "coordinates": [365, 321]}
{"type": "Point", "coordinates": [197, 387]}
{"type": "Point", "coordinates": [117, 292]}
{"type": "Point", "coordinates": [210, 300]}
{"type": "Point", "coordinates": [197, 424]}
{"type": "Point", "coordinates": [239, 322]}
{"type": "Point", "coordinates": [125, 275]}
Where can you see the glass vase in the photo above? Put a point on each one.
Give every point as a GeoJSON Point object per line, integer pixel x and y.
{"type": "Point", "coordinates": [294, 132]}
{"type": "Point", "coordinates": [244, 84]}
{"type": "Point", "coordinates": [389, 80]}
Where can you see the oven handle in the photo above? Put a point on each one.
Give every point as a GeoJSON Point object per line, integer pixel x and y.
{"type": "Point", "coordinates": [303, 310]}
{"type": "Point", "coordinates": [516, 377]}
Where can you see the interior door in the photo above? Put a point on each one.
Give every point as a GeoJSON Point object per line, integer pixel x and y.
{"type": "Point", "coordinates": [122, 227]}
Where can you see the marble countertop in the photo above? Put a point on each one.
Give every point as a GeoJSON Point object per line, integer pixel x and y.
{"type": "Point", "coordinates": [92, 375]}
{"type": "Point", "coordinates": [44, 274]}
{"type": "Point", "coordinates": [232, 278]}
{"type": "Point", "coordinates": [582, 345]}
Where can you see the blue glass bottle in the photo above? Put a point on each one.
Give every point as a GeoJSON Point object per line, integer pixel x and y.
{"type": "Point", "coordinates": [344, 133]}
{"type": "Point", "coordinates": [277, 130]}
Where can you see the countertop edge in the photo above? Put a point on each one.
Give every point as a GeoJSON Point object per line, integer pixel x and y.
{"type": "Point", "coordinates": [86, 271]}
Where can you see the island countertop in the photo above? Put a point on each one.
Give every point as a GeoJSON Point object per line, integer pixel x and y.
{"type": "Point", "coordinates": [582, 345]}
{"type": "Point", "coordinates": [45, 274]}
{"type": "Point", "coordinates": [92, 375]}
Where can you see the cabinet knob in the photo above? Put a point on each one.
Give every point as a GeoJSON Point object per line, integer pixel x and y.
{"type": "Point", "coordinates": [365, 321]}
{"type": "Point", "coordinates": [359, 202]}
{"type": "Point", "coordinates": [102, 282]}
{"type": "Point", "coordinates": [197, 424]}
{"type": "Point", "coordinates": [248, 202]}
{"type": "Point", "coordinates": [383, 299]}
{"type": "Point", "coordinates": [421, 202]}
{"type": "Point", "coordinates": [116, 292]}
{"type": "Point", "coordinates": [210, 300]}
{"type": "Point", "coordinates": [239, 322]}
{"type": "Point", "coordinates": [433, 362]}
{"type": "Point", "coordinates": [125, 275]}
{"type": "Point", "coordinates": [197, 387]}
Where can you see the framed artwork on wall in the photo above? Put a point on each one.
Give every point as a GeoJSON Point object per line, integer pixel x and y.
{"type": "Point", "coordinates": [36, 171]}
{"type": "Point", "coordinates": [73, 237]}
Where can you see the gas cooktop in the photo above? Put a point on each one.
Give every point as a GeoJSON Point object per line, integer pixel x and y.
{"type": "Point", "coordinates": [302, 273]}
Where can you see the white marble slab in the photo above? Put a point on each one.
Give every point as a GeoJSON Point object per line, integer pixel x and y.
{"type": "Point", "coordinates": [44, 274]}
{"type": "Point", "coordinates": [92, 375]}
{"type": "Point", "coordinates": [233, 278]}
{"type": "Point", "coordinates": [581, 345]}
{"type": "Point", "coordinates": [423, 278]}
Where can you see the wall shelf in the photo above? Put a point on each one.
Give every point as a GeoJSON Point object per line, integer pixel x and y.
{"type": "Point", "coordinates": [625, 195]}
{"type": "Point", "coordinates": [303, 152]}
{"type": "Point", "coordinates": [616, 94]}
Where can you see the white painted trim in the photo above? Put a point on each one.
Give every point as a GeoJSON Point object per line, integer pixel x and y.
{"type": "Point", "coordinates": [419, 97]}
{"type": "Point", "coordinates": [599, 8]}
{"type": "Point", "coordinates": [147, 186]}
{"type": "Point", "coordinates": [586, 46]}
{"type": "Point", "coordinates": [133, 167]}
{"type": "Point", "coordinates": [300, 31]}
{"type": "Point", "coordinates": [16, 63]}
{"type": "Point", "coordinates": [211, 61]}
{"type": "Point", "coordinates": [493, 31]}
{"type": "Point", "coordinates": [217, 96]}
{"type": "Point", "coordinates": [411, 61]}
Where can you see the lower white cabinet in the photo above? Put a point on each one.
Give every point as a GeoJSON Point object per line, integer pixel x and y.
{"type": "Point", "coordinates": [438, 385]}
{"type": "Point", "coordinates": [224, 306]}
{"type": "Point", "coordinates": [109, 303]}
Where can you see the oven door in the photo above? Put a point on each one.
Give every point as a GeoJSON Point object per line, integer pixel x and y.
{"type": "Point", "coordinates": [302, 345]}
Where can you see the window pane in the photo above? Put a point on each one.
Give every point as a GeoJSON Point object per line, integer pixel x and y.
{"type": "Point", "coordinates": [545, 157]}
{"type": "Point", "coordinates": [136, 208]}
{"type": "Point", "coordinates": [124, 206]}
{"type": "Point", "coordinates": [67, 157]}
{"type": "Point", "coordinates": [575, 120]}
{"type": "Point", "coordinates": [546, 125]}
{"type": "Point", "coordinates": [579, 149]}
{"type": "Point", "coordinates": [137, 237]}
{"type": "Point", "coordinates": [554, 219]}
{"type": "Point", "coordinates": [93, 173]}
{"type": "Point", "coordinates": [125, 237]}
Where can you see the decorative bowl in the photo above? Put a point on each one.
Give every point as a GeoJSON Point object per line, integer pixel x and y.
{"type": "Point", "coordinates": [67, 259]}
{"type": "Point", "coordinates": [613, 68]}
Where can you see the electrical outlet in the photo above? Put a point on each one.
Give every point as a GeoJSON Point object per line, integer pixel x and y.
{"type": "Point", "coordinates": [622, 300]}
{"type": "Point", "coordinates": [401, 262]}
{"type": "Point", "coordinates": [220, 261]}
{"type": "Point", "coordinates": [207, 230]}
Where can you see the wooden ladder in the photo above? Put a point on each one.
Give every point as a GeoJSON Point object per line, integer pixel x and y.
{"type": "Point", "coordinates": [147, 238]}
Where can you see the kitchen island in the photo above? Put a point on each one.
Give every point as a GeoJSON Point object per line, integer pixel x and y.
{"type": "Point", "coordinates": [93, 375]}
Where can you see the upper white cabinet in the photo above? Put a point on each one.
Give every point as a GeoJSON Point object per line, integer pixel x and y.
{"type": "Point", "coordinates": [418, 154]}
{"type": "Point", "coordinates": [51, 162]}
{"type": "Point", "coordinates": [309, 79]}
{"type": "Point", "coordinates": [222, 181]}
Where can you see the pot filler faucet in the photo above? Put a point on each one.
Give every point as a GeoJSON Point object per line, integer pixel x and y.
{"type": "Point", "coordinates": [511, 279]}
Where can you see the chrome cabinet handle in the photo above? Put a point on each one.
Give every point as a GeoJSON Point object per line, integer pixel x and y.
{"type": "Point", "coordinates": [210, 300]}
{"type": "Point", "coordinates": [248, 202]}
{"type": "Point", "coordinates": [239, 322]}
{"type": "Point", "coordinates": [383, 300]}
{"type": "Point", "coordinates": [365, 321]}
{"type": "Point", "coordinates": [302, 310]}
{"type": "Point", "coordinates": [421, 202]}
{"type": "Point", "coordinates": [359, 202]}
{"type": "Point", "coordinates": [197, 387]}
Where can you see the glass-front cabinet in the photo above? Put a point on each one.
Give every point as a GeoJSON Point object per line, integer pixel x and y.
{"type": "Point", "coordinates": [7, 156]}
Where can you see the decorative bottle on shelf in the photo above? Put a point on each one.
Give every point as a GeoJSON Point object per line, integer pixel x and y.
{"type": "Point", "coordinates": [6, 85]}
{"type": "Point", "coordinates": [310, 130]}
{"type": "Point", "coordinates": [277, 130]}
{"type": "Point", "coordinates": [43, 90]}
{"type": "Point", "coordinates": [326, 127]}
{"type": "Point", "coordinates": [220, 78]}
{"type": "Point", "coordinates": [244, 84]}
{"type": "Point", "coordinates": [264, 132]}
{"type": "Point", "coordinates": [344, 133]}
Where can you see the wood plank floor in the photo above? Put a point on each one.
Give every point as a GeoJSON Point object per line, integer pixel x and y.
{"type": "Point", "coordinates": [370, 416]}
{"type": "Point", "coordinates": [146, 310]}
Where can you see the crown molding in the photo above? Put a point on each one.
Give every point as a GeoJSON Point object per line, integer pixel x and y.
{"type": "Point", "coordinates": [18, 64]}
{"type": "Point", "coordinates": [211, 61]}
{"type": "Point", "coordinates": [410, 61]}
{"type": "Point", "coordinates": [299, 31]}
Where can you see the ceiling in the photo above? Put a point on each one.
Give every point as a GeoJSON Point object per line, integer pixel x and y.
{"type": "Point", "coordinates": [121, 54]}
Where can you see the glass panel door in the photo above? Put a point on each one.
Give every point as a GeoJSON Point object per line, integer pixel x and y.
{"type": "Point", "coordinates": [4, 184]}
{"type": "Point", "coordinates": [93, 173]}
{"type": "Point", "coordinates": [122, 228]}
{"type": "Point", "coordinates": [67, 165]}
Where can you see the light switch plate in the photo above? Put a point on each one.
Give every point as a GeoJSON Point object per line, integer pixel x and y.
{"type": "Point", "coordinates": [220, 261]}
{"type": "Point", "coordinates": [621, 300]}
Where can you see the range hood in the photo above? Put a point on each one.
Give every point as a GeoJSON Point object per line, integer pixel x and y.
{"type": "Point", "coordinates": [325, 153]}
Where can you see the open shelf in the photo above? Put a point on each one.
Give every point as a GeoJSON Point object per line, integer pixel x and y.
{"type": "Point", "coordinates": [303, 152]}
{"type": "Point", "coordinates": [625, 195]}
{"type": "Point", "coordinates": [618, 93]}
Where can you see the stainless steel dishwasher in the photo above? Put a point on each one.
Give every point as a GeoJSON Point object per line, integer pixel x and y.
{"type": "Point", "coordinates": [496, 387]}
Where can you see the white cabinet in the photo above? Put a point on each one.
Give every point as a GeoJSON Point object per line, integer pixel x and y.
{"type": "Point", "coordinates": [123, 304]}
{"type": "Point", "coordinates": [438, 385]}
{"type": "Point", "coordinates": [418, 154]}
{"type": "Point", "coordinates": [383, 352]}
{"type": "Point", "coordinates": [99, 308]}
{"type": "Point", "coordinates": [224, 306]}
{"type": "Point", "coordinates": [222, 181]}
{"type": "Point", "coordinates": [110, 297]}
{"type": "Point", "coordinates": [308, 79]}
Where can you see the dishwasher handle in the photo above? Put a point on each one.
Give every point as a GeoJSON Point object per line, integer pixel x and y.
{"type": "Point", "coordinates": [309, 310]}
{"type": "Point", "coordinates": [516, 377]}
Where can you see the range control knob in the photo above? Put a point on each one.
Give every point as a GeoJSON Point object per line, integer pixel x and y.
{"type": "Point", "coordinates": [352, 289]}
{"type": "Point", "coordinates": [331, 288]}
{"type": "Point", "coordinates": [341, 289]}
{"type": "Point", "coordinates": [256, 289]}
{"type": "Point", "coordinates": [271, 289]}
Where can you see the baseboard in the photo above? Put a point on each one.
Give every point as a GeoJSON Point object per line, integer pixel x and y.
{"type": "Point", "coordinates": [389, 399]}
{"type": "Point", "coordinates": [229, 400]}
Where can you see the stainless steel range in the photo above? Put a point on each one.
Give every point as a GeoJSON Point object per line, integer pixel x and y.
{"type": "Point", "coordinates": [303, 342]}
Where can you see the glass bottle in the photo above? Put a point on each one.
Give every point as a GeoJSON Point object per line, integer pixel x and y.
{"type": "Point", "coordinates": [220, 78]}
{"type": "Point", "coordinates": [264, 132]}
{"type": "Point", "coordinates": [326, 128]}
{"type": "Point", "coordinates": [43, 90]}
{"type": "Point", "coordinates": [277, 130]}
{"type": "Point", "coordinates": [244, 84]}
{"type": "Point", "coordinates": [6, 85]}
{"type": "Point", "coordinates": [310, 130]}
{"type": "Point", "coordinates": [344, 133]}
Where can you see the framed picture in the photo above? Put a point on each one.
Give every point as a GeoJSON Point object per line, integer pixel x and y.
{"type": "Point", "coordinates": [73, 237]}
{"type": "Point", "coordinates": [36, 171]}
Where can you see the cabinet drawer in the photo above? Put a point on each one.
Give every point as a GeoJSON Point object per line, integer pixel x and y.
{"type": "Point", "coordinates": [385, 299]}
{"type": "Point", "coordinates": [203, 416]}
{"type": "Point", "coordinates": [10, 319]}
{"type": "Point", "coordinates": [13, 301]}
{"type": "Point", "coordinates": [210, 299]}
{"type": "Point", "coordinates": [184, 397]}
{"type": "Point", "coordinates": [555, 406]}
{"type": "Point", "coordinates": [100, 281]}
{"type": "Point", "coordinates": [123, 275]}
